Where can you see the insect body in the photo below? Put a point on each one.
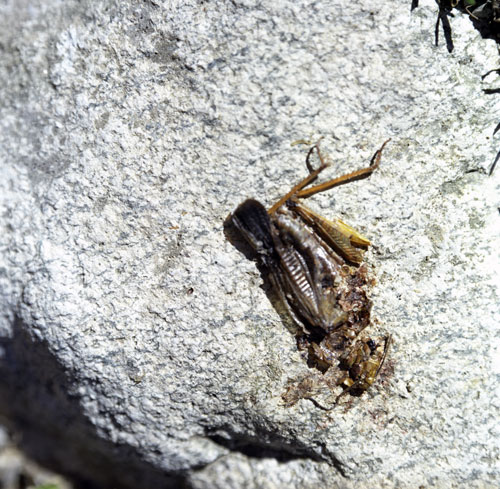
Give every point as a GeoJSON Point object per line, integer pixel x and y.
{"type": "Point", "coordinates": [315, 266]}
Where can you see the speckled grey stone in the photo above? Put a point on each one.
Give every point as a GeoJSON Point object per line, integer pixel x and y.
{"type": "Point", "coordinates": [138, 346]}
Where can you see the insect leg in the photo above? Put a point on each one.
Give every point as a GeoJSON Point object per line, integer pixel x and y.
{"type": "Point", "coordinates": [349, 177]}
{"type": "Point", "coordinates": [341, 237]}
{"type": "Point", "coordinates": [303, 183]}
{"type": "Point", "coordinates": [387, 344]}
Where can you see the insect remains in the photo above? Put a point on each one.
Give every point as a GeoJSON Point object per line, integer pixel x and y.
{"type": "Point", "coordinates": [315, 267]}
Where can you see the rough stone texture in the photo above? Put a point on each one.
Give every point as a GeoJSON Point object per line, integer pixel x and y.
{"type": "Point", "coordinates": [137, 344]}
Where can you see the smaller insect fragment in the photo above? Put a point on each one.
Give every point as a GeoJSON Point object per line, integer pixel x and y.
{"type": "Point", "coordinates": [315, 266]}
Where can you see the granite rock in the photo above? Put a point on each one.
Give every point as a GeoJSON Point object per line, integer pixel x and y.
{"type": "Point", "coordinates": [138, 346]}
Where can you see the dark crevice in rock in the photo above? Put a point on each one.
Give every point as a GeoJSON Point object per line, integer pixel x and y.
{"type": "Point", "coordinates": [279, 449]}
{"type": "Point", "coordinates": [37, 403]}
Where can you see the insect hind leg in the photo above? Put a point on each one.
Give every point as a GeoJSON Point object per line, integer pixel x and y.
{"type": "Point", "coordinates": [313, 174]}
{"type": "Point", "coordinates": [348, 177]}
{"type": "Point", "coordinates": [299, 190]}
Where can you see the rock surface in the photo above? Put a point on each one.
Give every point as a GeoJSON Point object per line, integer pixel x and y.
{"type": "Point", "coordinates": [138, 346]}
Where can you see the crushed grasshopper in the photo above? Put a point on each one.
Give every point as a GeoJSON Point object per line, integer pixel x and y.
{"type": "Point", "coordinates": [316, 268]}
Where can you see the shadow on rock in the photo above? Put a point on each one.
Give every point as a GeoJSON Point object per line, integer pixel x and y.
{"type": "Point", "coordinates": [37, 396]}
